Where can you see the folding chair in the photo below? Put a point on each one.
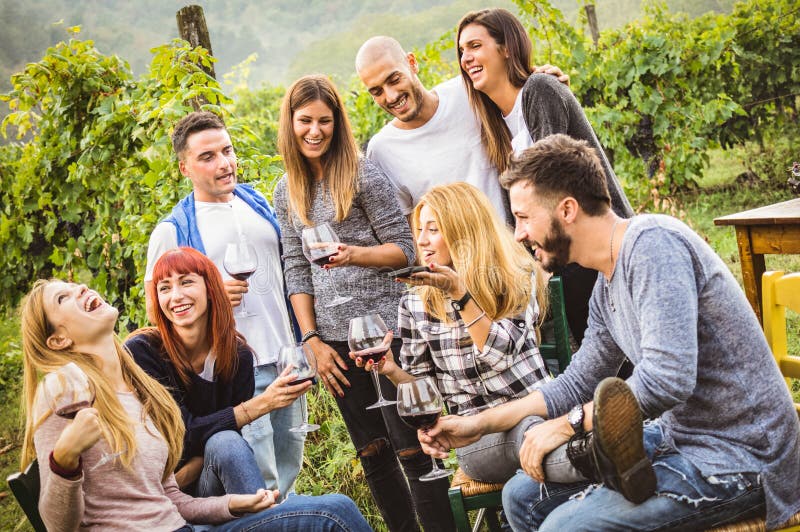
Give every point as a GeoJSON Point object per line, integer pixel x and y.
{"type": "Point", "coordinates": [25, 487]}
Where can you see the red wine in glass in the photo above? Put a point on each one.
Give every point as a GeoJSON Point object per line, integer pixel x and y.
{"type": "Point", "coordinates": [71, 410]}
{"type": "Point", "coordinates": [422, 421]}
{"type": "Point", "coordinates": [419, 404]}
{"type": "Point", "coordinates": [240, 262]}
{"type": "Point", "coordinates": [301, 359]}
{"type": "Point", "coordinates": [242, 276]}
{"type": "Point", "coordinates": [366, 337]}
{"type": "Point", "coordinates": [320, 243]}
{"type": "Point", "coordinates": [67, 391]}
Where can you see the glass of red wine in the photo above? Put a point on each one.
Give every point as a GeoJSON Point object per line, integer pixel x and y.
{"type": "Point", "coordinates": [367, 339]}
{"type": "Point", "coordinates": [301, 359]}
{"type": "Point", "coordinates": [320, 243]}
{"type": "Point", "coordinates": [419, 405]}
{"type": "Point", "coordinates": [240, 262]}
{"type": "Point", "coordinates": [67, 391]}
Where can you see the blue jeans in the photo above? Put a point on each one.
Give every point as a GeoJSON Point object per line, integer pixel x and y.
{"type": "Point", "coordinates": [327, 513]}
{"type": "Point", "coordinates": [229, 466]}
{"type": "Point", "coordinates": [383, 442]}
{"type": "Point", "coordinates": [684, 499]}
{"type": "Point", "coordinates": [278, 452]}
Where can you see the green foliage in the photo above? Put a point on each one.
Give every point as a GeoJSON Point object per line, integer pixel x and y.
{"type": "Point", "coordinates": [80, 198]}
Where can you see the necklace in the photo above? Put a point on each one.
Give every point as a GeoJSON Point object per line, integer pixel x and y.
{"type": "Point", "coordinates": [611, 255]}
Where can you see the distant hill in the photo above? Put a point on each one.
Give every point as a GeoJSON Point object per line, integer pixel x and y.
{"type": "Point", "coordinates": [290, 37]}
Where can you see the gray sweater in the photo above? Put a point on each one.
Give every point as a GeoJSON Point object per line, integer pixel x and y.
{"type": "Point", "coordinates": [374, 219]}
{"type": "Point", "coordinates": [701, 360]}
{"type": "Point", "coordinates": [549, 108]}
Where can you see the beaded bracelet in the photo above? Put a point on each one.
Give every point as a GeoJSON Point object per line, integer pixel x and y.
{"type": "Point", "coordinates": [61, 471]}
{"type": "Point", "coordinates": [309, 335]}
{"type": "Point", "coordinates": [473, 322]}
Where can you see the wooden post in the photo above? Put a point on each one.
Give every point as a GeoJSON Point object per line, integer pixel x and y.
{"type": "Point", "coordinates": [592, 16]}
{"type": "Point", "coordinates": [192, 27]}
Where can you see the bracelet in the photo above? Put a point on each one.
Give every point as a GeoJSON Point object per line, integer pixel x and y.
{"type": "Point", "coordinates": [473, 322]}
{"type": "Point", "coordinates": [246, 413]}
{"type": "Point", "coordinates": [61, 471]}
{"type": "Point", "coordinates": [309, 335]}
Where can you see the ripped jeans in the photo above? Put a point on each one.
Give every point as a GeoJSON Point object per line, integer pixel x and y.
{"type": "Point", "coordinates": [684, 499]}
{"type": "Point", "coordinates": [383, 443]}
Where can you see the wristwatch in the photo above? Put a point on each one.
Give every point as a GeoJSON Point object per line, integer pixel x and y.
{"type": "Point", "coordinates": [575, 419]}
{"type": "Point", "coordinates": [461, 303]}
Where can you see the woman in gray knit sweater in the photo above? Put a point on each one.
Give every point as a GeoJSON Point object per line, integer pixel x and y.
{"type": "Point", "coordinates": [327, 181]}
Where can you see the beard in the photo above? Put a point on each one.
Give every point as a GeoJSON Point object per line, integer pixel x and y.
{"type": "Point", "coordinates": [556, 244]}
{"type": "Point", "coordinates": [415, 97]}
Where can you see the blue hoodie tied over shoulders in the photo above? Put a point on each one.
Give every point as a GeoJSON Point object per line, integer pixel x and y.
{"type": "Point", "coordinates": [184, 218]}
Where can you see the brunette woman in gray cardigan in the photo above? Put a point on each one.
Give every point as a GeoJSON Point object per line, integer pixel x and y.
{"type": "Point", "coordinates": [327, 181]}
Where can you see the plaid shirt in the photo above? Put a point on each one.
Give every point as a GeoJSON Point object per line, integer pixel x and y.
{"type": "Point", "coordinates": [508, 367]}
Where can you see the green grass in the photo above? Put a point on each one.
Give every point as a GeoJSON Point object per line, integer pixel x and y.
{"type": "Point", "coordinates": [330, 459]}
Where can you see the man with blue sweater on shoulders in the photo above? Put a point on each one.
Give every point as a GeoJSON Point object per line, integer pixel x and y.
{"type": "Point", "coordinates": [219, 211]}
{"type": "Point", "coordinates": [723, 443]}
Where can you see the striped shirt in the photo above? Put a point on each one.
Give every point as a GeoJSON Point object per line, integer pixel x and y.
{"type": "Point", "coordinates": [470, 380]}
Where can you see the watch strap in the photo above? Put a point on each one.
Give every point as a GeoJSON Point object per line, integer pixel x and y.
{"type": "Point", "coordinates": [461, 303]}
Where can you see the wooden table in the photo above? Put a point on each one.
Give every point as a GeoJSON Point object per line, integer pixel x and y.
{"type": "Point", "coordinates": [770, 230]}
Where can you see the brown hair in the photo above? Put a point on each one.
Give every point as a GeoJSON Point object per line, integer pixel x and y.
{"type": "Point", "coordinates": [340, 162]}
{"type": "Point", "coordinates": [220, 325]}
{"type": "Point", "coordinates": [511, 37]}
{"type": "Point", "coordinates": [560, 166]}
{"type": "Point", "coordinates": [191, 124]}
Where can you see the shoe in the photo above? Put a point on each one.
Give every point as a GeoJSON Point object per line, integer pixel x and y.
{"type": "Point", "coordinates": [617, 442]}
{"type": "Point", "coordinates": [580, 451]}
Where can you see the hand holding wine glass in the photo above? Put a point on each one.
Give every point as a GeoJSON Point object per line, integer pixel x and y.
{"type": "Point", "coordinates": [67, 391]}
{"type": "Point", "coordinates": [320, 243]}
{"type": "Point", "coordinates": [240, 262]}
{"type": "Point", "coordinates": [299, 360]}
{"type": "Point", "coordinates": [419, 405]}
{"type": "Point", "coordinates": [369, 338]}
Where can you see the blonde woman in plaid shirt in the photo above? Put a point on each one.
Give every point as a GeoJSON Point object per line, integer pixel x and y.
{"type": "Point", "coordinates": [471, 322]}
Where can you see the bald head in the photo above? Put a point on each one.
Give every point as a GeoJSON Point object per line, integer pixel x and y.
{"type": "Point", "coordinates": [377, 49]}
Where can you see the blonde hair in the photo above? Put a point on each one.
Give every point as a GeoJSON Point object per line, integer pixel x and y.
{"type": "Point", "coordinates": [39, 358]}
{"type": "Point", "coordinates": [340, 162]}
{"type": "Point", "coordinates": [496, 268]}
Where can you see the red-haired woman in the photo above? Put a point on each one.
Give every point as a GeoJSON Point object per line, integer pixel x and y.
{"type": "Point", "coordinates": [196, 353]}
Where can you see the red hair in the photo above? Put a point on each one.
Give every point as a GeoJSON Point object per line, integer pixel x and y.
{"type": "Point", "coordinates": [221, 327]}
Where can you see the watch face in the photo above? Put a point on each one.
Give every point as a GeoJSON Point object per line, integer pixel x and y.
{"type": "Point", "coordinates": [575, 416]}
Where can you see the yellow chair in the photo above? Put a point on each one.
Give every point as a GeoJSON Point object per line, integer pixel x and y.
{"type": "Point", "coordinates": [779, 292]}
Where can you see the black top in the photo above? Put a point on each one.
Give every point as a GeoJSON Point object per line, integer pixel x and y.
{"type": "Point", "coordinates": [206, 407]}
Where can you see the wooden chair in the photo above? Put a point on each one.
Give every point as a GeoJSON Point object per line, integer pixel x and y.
{"type": "Point", "coordinates": [467, 494]}
{"type": "Point", "coordinates": [779, 292]}
{"type": "Point", "coordinates": [25, 487]}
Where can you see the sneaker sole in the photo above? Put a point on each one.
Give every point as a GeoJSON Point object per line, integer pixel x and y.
{"type": "Point", "coordinates": [618, 432]}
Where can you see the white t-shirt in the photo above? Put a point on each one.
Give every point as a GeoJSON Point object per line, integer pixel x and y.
{"type": "Point", "coordinates": [444, 150]}
{"type": "Point", "coordinates": [219, 224]}
{"type": "Point", "coordinates": [515, 120]}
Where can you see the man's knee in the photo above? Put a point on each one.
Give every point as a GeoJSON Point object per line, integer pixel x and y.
{"type": "Point", "coordinates": [373, 448]}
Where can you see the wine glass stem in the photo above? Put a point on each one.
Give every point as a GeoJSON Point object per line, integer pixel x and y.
{"type": "Point", "coordinates": [435, 465]}
{"type": "Point", "coordinates": [242, 311]}
{"type": "Point", "coordinates": [376, 380]}
{"type": "Point", "coordinates": [333, 283]}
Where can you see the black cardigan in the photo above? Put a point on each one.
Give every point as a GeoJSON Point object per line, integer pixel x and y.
{"type": "Point", "coordinates": [206, 407]}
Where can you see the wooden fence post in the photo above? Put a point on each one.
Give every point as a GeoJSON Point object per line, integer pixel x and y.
{"type": "Point", "coordinates": [592, 16]}
{"type": "Point", "coordinates": [192, 28]}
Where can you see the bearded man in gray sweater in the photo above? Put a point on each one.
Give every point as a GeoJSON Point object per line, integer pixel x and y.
{"type": "Point", "coordinates": [723, 440]}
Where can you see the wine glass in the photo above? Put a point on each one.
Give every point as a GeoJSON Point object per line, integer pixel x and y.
{"type": "Point", "coordinates": [240, 262]}
{"type": "Point", "coordinates": [300, 358]}
{"type": "Point", "coordinates": [367, 339]}
{"type": "Point", "coordinates": [69, 390]}
{"type": "Point", "coordinates": [319, 245]}
{"type": "Point", "coordinates": [419, 405]}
